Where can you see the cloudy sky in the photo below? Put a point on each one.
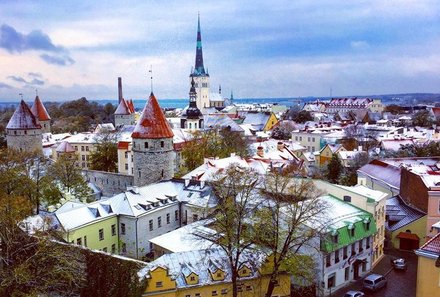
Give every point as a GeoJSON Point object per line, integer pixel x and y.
{"type": "Point", "coordinates": [70, 49]}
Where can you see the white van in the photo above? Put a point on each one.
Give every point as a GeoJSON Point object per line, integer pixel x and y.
{"type": "Point", "coordinates": [374, 282]}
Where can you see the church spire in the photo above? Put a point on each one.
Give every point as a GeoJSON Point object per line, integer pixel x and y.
{"type": "Point", "coordinates": [199, 68]}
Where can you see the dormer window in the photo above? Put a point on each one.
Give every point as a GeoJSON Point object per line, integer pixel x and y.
{"type": "Point", "coordinates": [351, 230]}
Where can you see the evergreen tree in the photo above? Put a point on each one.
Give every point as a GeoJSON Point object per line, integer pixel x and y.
{"type": "Point", "coordinates": [334, 169]}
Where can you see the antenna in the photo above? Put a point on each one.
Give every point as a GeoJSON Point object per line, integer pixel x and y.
{"type": "Point", "coordinates": [151, 77]}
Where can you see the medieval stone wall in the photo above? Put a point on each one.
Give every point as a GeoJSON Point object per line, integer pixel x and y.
{"type": "Point", "coordinates": [24, 140]}
{"type": "Point", "coordinates": [109, 183]}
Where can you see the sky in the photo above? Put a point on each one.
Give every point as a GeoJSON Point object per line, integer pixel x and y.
{"type": "Point", "coordinates": [71, 49]}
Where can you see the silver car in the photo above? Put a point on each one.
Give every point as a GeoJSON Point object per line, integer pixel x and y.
{"type": "Point", "coordinates": [374, 282]}
{"type": "Point", "coordinates": [400, 264]}
{"type": "Point", "coordinates": [354, 294]}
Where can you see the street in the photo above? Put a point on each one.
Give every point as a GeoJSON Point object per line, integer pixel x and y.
{"type": "Point", "coordinates": [400, 283]}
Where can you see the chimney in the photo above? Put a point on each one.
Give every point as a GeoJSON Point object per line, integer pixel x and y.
{"type": "Point", "coordinates": [119, 89]}
{"type": "Point", "coordinates": [260, 151]}
{"type": "Point", "coordinates": [280, 146]}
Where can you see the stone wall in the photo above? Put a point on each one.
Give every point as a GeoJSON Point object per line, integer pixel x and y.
{"type": "Point", "coordinates": [24, 140]}
{"type": "Point", "coordinates": [124, 120]}
{"type": "Point", "coordinates": [109, 183]}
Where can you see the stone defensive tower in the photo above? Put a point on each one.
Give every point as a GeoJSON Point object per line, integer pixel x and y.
{"type": "Point", "coordinates": [23, 131]}
{"type": "Point", "coordinates": [125, 113]}
{"type": "Point", "coordinates": [152, 147]}
{"type": "Point", "coordinates": [41, 114]}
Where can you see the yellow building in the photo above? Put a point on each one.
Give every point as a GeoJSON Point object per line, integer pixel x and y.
{"type": "Point", "coordinates": [428, 269]}
{"type": "Point", "coordinates": [205, 273]}
{"type": "Point", "coordinates": [327, 152]}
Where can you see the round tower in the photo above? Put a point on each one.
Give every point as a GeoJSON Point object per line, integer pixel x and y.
{"type": "Point", "coordinates": [153, 151]}
{"type": "Point", "coordinates": [23, 131]}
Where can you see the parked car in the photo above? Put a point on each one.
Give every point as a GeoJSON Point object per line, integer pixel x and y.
{"type": "Point", "coordinates": [374, 282]}
{"type": "Point", "coordinates": [354, 294]}
{"type": "Point", "coordinates": [400, 264]}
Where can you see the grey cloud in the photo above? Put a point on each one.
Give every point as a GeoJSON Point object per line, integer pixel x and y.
{"type": "Point", "coordinates": [35, 74]}
{"type": "Point", "coordinates": [57, 60]}
{"type": "Point", "coordinates": [16, 42]}
{"type": "Point", "coordinates": [5, 86]}
{"type": "Point", "coordinates": [37, 82]}
{"type": "Point", "coordinates": [17, 79]}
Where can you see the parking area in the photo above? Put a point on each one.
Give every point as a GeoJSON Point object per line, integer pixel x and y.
{"type": "Point", "coordinates": [400, 283]}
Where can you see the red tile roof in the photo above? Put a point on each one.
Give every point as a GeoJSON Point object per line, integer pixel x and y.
{"type": "Point", "coordinates": [23, 118]}
{"type": "Point", "coordinates": [39, 110]}
{"type": "Point", "coordinates": [152, 123]}
{"type": "Point", "coordinates": [433, 245]}
{"type": "Point", "coordinates": [131, 105]}
{"type": "Point", "coordinates": [407, 235]}
{"type": "Point", "coordinates": [123, 108]}
{"type": "Point", "coordinates": [123, 145]}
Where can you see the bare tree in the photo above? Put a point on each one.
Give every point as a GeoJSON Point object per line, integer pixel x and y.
{"type": "Point", "coordinates": [283, 227]}
{"type": "Point", "coordinates": [235, 192]}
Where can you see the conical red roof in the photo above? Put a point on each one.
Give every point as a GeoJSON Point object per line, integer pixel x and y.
{"type": "Point", "coordinates": [131, 106]}
{"type": "Point", "coordinates": [23, 118]}
{"type": "Point", "coordinates": [152, 123]}
{"type": "Point", "coordinates": [123, 108]}
{"type": "Point", "coordinates": [39, 110]}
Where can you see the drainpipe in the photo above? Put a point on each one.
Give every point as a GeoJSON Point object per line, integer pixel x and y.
{"type": "Point", "coordinates": [137, 239]}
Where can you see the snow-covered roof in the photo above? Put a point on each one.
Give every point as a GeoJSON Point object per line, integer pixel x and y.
{"type": "Point", "coordinates": [395, 144]}
{"type": "Point", "coordinates": [23, 118]}
{"type": "Point", "coordinates": [152, 123]}
{"type": "Point", "coordinates": [65, 147]}
{"type": "Point", "coordinates": [400, 214]}
{"type": "Point", "coordinates": [221, 121]}
{"type": "Point", "coordinates": [186, 238]}
{"type": "Point", "coordinates": [202, 263]}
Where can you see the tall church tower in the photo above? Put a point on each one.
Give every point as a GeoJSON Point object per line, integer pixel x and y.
{"type": "Point", "coordinates": [200, 76]}
{"type": "Point", "coordinates": [153, 150]}
{"type": "Point", "coordinates": [192, 119]}
{"type": "Point", "coordinates": [23, 131]}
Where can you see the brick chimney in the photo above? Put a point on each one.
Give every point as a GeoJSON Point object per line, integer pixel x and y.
{"type": "Point", "coordinates": [119, 90]}
{"type": "Point", "coordinates": [260, 151]}
{"type": "Point", "coordinates": [280, 146]}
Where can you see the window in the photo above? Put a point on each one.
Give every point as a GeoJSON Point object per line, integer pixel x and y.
{"type": "Point", "coordinates": [104, 249]}
{"type": "Point", "coordinates": [361, 245]}
{"type": "Point", "coordinates": [214, 293]}
{"type": "Point", "coordinates": [146, 144]}
{"type": "Point", "coordinates": [248, 288]}
{"type": "Point", "coordinates": [82, 148]}
{"type": "Point", "coordinates": [126, 155]}
{"type": "Point", "coordinates": [159, 222]}
{"type": "Point", "coordinates": [328, 260]}
{"type": "Point", "coordinates": [239, 288]}
{"type": "Point", "coordinates": [87, 148]}
{"type": "Point", "coordinates": [168, 218]}
{"type": "Point", "coordinates": [101, 234]}
{"type": "Point", "coordinates": [195, 217]}
{"type": "Point", "coordinates": [151, 225]}
{"type": "Point", "coordinates": [347, 273]}
{"type": "Point", "coordinates": [347, 198]}
{"type": "Point", "coordinates": [162, 143]}
{"type": "Point", "coordinates": [113, 248]}
{"type": "Point", "coordinates": [124, 247]}
{"type": "Point", "coordinates": [113, 230]}
{"type": "Point", "coordinates": [83, 157]}
{"type": "Point", "coordinates": [335, 238]}
{"type": "Point", "coordinates": [197, 295]}
{"type": "Point", "coordinates": [224, 291]}
{"type": "Point", "coordinates": [126, 166]}
{"type": "Point", "coordinates": [368, 243]}
{"type": "Point", "coordinates": [188, 295]}
{"type": "Point", "coordinates": [122, 228]}
{"type": "Point", "coordinates": [337, 256]}
{"type": "Point", "coordinates": [85, 240]}
{"type": "Point", "coordinates": [353, 249]}
{"type": "Point", "coordinates": [159, 284]}
{"type": "Point", "coordinates": [79, 241]}
{"type": "Point", "coordinates": [345, 252]}
{"type": "Point", "coordinates": [192, 278]}
{"type": "Point", "coordinates": [331, 281]}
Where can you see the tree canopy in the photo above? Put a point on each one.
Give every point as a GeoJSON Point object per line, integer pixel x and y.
{"type": "Point", "coordinates": [105, 157]}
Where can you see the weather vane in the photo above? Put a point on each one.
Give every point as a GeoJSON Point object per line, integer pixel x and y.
{"type": "Point", "coordinates": [36, 92]}
{"type": "Point", "coordinates": [21, 95]}
{"type": "Point", "coordinates": [151, 77]}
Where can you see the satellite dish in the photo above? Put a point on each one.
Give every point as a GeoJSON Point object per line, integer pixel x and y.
{"type": "Point", "coordinates": [437, 262]}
